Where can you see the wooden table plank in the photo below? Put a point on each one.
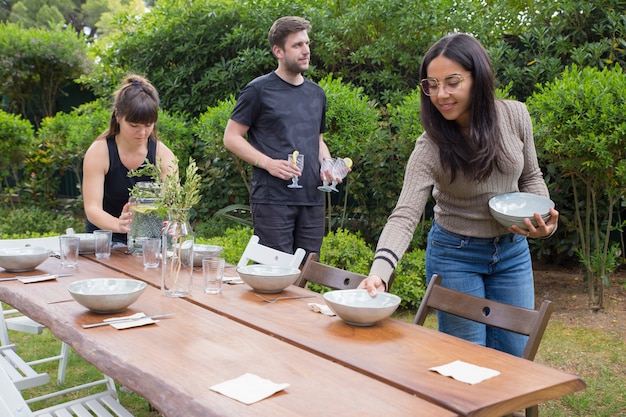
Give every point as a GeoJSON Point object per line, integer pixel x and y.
{"type": "Point", "coordinates": [173, 363]}
{"type": "Point", "coordinates": [393, 351]}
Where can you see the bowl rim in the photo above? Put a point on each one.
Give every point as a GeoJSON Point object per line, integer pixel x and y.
{"type": "Point", "coordinates": [19, 250]}
{"type": "Point", "coordinates": [395, 298]}
{"type": "Point", "coordinates": [288, 270]}
{"type": "Point", "coordinates": [537, 197]}
{"type": "Point", "coordinates": [142, 285]}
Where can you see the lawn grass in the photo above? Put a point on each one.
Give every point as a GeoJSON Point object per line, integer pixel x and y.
{"type": "Point", "coordinates": [599, 357]}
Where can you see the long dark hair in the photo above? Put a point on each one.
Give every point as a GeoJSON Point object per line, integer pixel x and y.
{"type": "Point", "coordinates": [475, 155]}
{"type": "Point", "coordinates": [137, 101]}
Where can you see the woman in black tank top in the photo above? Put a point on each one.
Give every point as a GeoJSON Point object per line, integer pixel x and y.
{"type": "Point", "coordinates": [124, 146]}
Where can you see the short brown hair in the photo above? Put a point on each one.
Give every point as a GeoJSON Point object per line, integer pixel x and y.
{"type": "Point", "coordinates": [283, 27]}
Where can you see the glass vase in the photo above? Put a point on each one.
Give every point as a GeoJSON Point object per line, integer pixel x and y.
{"type": "Point", "coordinates": [147, 221]}
{"type": "Point", "coordinates": [177, 255]}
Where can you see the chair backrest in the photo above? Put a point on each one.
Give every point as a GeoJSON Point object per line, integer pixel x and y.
{"type": "Point", "coordinates": [12, 403]}
{"type": "Point", "coordinates": [531, 323]}
{"type": "Point", "coordinates": [262, 254]}
{"type": "Point", "coordinates": [327, 275]}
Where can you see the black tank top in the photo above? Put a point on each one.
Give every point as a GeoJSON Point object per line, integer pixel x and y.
{"type": "Point", "coordinates": [117, 184]}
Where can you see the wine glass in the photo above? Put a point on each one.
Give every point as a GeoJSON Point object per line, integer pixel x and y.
{"type": "Point", "coordinates": [327, 165]}
{"type": "Point", "coordinates": [340, 170]}
{"type": "Point", "coordinates": [299, 162]}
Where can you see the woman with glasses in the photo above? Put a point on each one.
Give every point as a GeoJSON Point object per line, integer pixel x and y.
{"type": "Point", "coordinates": [473, 148]}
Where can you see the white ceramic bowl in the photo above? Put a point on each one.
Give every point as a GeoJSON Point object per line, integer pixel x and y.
{"type": "Point", "coordinates": [204, 251]}
{"type": "Point", "coordinates": [268, 278]}
{"type": "Point", "coordinates": [22, 259]}
{"type": "Point", "coordinates": [358, 308]}
{"type": "Point", "coordinates": [512, 208]}
{"type": "Point", "coordinates": [87, 243]}
{"type": "Point", "coordinates": [106, 295]}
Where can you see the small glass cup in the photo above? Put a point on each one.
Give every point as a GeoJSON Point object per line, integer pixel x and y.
{"type": "Point", "coordinates": [151, 249]}
{"type": "Point", "coordinates": [102, 241]}
{"type": "Point", "coordinates": [68, 247]}
{"type": "Point", "coordinates": [213, 274]}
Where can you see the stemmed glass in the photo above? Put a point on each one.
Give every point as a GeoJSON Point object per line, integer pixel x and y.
{"type": "Point", "coordinates": [327, 165]}
{"type": "Point", "coordinates": [299, 162]}
{"type": "Point", "coordinates": [340, 170]}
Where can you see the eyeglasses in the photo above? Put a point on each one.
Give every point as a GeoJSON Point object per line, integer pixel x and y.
{"type": "Point", "coordinates": [451, 84]}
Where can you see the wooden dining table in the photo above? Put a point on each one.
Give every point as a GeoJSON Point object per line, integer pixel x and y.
{"type": "Point", "coordinates": [331, 366]}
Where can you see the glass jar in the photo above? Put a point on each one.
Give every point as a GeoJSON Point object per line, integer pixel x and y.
{"type": "Point", "coordinates": [177, 255]}
{"type": "Point", "coordinates": [147, 220]}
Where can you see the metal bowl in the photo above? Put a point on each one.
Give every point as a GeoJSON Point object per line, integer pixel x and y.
{"type": "Point", "coordinates": [204, 251]}
{"type": "Point", "coordinates": [23, 259]}
{"type": "Point", "coordinates": [358, 308]}
{"type": "Point", "coordinates": [268, 278]}
{"type": "Point", "coordinates": [106, 295]}
{"type": "Point", "coordinates": [512, 208]}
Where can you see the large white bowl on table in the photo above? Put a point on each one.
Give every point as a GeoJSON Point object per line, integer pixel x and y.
{"type": "Point", "coordinates": [23, 259]}
{"type": "Point", "coordinates": [106, 295]}
{"type": "Point", "coordinates": [512, 208]}
{"type": "Point", "coordinates": [358, 308]}
{"type": "Point", "coordinates": [201, 251]}
{"type": "Point", "coordinates": [268, 278]}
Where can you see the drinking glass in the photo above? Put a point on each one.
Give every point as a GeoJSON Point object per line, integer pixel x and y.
{"type": "Point", "coordinates": [299, 162]}
{"type": "Point", "coordinates": [339, 170]}
{"type": "Point", "coordinates": [327, 165]}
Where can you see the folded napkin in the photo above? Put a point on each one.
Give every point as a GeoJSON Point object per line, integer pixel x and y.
{"type": "Point", "coordinates": [137, 319]}
{"type": "Point", "coordinates": [232, 280]}
{"type": "Point", "coordinates": [248, 388]}
{"type": "Point", "coordinates": [321, 308]}
{"type": "Point", "coordinates": [465, 372]}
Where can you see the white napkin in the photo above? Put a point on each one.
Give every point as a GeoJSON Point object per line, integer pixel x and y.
{"type": "Point", "coordinates": [37, 278]}
{"type": "Point", "coordinates": [465, 372]}
{"type": "Point", "coordinates": [132, 323]}
{"type": "Point", "coordinates": [321, 308]}
{"type": "Point", "coordinates": [232, 280]}
{"type": "Point", "coordinates": [248, 388]}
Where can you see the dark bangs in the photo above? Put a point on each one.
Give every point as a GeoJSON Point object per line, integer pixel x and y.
{"type": "Point", "coordinates": [142, 109]}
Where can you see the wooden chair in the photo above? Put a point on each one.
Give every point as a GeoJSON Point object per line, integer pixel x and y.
{"type": "Point", "coordinates": [531, 323]}
{"type": "Point", "coordinates": [327, 275]}
{"type": "Point", "coordinates": [261, 254]}
{"type": "Point", "coordinates": [330, 276]}
{"type": "Point", "coordinates": [103, 404]}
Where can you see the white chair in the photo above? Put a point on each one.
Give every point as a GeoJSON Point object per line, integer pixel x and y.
{"type": "Point", "coordinates": [11, 319]}
{"type": "Point", "coordinates": [22, 373]}
{"type": "Point", "coordinates": [256, 252]}
{"type": "Point", "coordinates": [103, 404]}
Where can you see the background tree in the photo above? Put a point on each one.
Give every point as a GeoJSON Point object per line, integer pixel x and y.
{"type": "Point", "coordinates": [35, 65]}
{"type": "Point", "coordinates": [581, 129]}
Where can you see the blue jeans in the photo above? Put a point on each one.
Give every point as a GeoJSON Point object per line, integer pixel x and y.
{"type": "Point", "coordinates": [498, 269]}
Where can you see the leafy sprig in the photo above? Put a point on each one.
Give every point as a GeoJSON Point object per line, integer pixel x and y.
{"type": "Point", "coordinates": [185, 196]}
{"type": "Point", "coordinates": [173, 194]}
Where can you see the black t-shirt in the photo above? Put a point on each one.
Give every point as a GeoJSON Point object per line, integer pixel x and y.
{"type": "Point", "coordinates": [283, 117]}
{"type": "Point", "coordinates": [117, 184]}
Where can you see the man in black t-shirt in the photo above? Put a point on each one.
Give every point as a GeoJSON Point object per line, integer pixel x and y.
{"type": "Point", "coordinates": [282, 112]}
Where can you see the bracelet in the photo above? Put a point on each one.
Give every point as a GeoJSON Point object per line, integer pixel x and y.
{"type": "Point", "coordinates": [256, 163]}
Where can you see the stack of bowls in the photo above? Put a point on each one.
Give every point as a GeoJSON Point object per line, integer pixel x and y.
{"type": "Point", "coordinates": [512, 208]}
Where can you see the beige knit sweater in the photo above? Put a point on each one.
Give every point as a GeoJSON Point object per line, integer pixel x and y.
{"type": "Point", "coordinates": [462, 206]}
